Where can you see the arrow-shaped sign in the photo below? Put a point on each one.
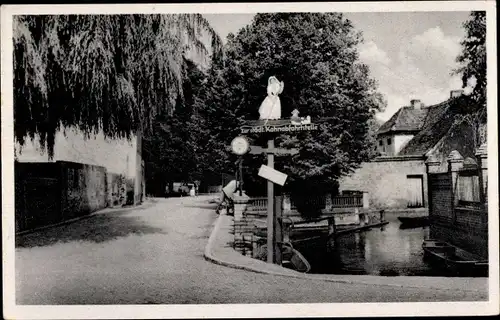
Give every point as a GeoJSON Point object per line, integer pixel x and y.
{"type": "Point", "coordinates": [276, 151]}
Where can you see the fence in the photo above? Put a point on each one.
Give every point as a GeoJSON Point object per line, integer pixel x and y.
{"type": "Point", "coordinates": [347, 201]}
{"type": "Point", "coordinates": [327, 203]}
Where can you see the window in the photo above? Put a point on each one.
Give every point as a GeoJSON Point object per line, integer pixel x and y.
{"type": "Point", "coordinates": [389, 141]}
{"type": "Point", "coordinates": [468, 188]}
{"type": "Point", "coordinates": [415, 191]}
{"type": "Point", "coordinates": [380, 142]}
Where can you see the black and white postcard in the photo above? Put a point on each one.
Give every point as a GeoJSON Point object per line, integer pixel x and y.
{"type": "Point", "coordinates": [255, 160]}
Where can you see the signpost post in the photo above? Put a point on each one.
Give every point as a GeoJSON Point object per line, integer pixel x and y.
{"type": "Point", "coordinates": [270, 122]}
{"type": "Point", "coordinates": [270, 206]}
{"type": "Point", "coordinates": [273, 176]}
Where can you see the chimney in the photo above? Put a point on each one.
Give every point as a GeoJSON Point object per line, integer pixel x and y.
{"type": "Point", "coordinates": [456, 93]}
{"type": "Point", "coordinates": [416, 104]}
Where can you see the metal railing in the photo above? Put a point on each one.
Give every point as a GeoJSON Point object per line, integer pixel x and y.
{"type": "Point", "coordinates": [347, 201]}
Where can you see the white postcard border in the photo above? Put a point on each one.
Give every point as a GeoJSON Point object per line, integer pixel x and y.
{"type": "Point", "coordinates": [247, 310]}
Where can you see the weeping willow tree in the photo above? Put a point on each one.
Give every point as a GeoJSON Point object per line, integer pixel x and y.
{"type": "Point", "coordinates": [109, 73]}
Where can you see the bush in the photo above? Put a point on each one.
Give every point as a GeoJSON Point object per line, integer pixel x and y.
{"type": "Point", "coordinates": [309, 196]}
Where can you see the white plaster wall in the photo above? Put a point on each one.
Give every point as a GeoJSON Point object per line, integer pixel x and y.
{"type": "Point", "coordinates": [118, 156]}
{"type": "Point", "coordinates": [385, 148]}
{"type": "Point", "coordinates": [386, 182]}
{"type": "Point", "coordinates": [400, 141]}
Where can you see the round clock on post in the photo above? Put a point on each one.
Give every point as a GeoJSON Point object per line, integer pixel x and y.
{"type": "Point", "coordinates": [240, 145]}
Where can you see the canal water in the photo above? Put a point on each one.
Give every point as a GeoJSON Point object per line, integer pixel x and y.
{"type": "Point", "coordinates": [385, 251]}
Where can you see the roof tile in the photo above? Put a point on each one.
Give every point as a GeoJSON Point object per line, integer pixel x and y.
{"type": "Point", "coordinates": [406, 119]}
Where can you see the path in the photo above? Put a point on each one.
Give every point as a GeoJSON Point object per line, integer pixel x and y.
{"type": "Point", "coordinates": [155, 255]}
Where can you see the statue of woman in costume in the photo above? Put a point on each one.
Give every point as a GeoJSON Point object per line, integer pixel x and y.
{"type": "Point", "coordinates": [271, 107]}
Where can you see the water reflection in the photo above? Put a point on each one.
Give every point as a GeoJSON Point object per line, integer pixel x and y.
{"type": "Point", "coordinates": [388, 250]}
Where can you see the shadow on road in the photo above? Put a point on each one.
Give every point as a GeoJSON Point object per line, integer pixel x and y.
{"type": "Point", "coordinates": [98, 228]}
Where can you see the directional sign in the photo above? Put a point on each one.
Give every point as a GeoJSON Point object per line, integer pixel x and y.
{"type": "Point", "coordinates": [256, 150]}
{"type": "Point", "coordinates": [281, 151]}
{"type": "Point", "coordinates": [272, 175]}
{"type": "Point", "coordinates": [276, 151]}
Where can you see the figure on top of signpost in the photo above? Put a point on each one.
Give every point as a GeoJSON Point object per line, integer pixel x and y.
{"type": "Point", "coordinates": [271, 106]}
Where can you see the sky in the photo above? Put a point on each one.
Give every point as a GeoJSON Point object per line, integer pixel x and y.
{"type": "Point", "coordinates": [410, 54]}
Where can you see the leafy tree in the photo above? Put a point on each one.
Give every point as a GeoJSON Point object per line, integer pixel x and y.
{"type": "Point", "coordinates": [315, 54]}
{"type": "Point", "coordinates": [472, 60]}
{"type": "Point", "coordinates": [171, 149]}
{"type": "Point", "coordinates": [218, 124]}
{"type": "Point", "coordinates": [113, 73]}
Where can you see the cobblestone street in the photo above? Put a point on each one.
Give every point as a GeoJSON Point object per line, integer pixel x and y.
{"type": "Point", "coordinates": [154, 254]}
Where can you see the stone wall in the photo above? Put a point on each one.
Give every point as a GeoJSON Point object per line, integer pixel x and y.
{"type": "Point", "coordinates": [84, 189]}
{"type": "Point", "coordinates": [37, 195]}
{"type": "Point", "coordinates": [385, 180]}
{"type": "Point", "coordinates": [48, 193]}
{"type": "Point", "coordinates": [117, 189]}
{"type": "Point", "coordinates": [118, 156]}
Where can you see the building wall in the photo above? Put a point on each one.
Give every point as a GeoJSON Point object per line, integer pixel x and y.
{"type": "Point", "coordinates": [391, 144]}
{"type": "Point", "coordinates": [400, 140]}
{"type": "Point", "coordinates": [47, 193]}
{"type": "Point", "coordinates": [37, 195]}
{"type": "Point", "coordinates": [385, 144]}
{"type": "Point", "coordinates": [139, 183]}
{"type": "Point", "coordinates": [117, 189]}
{"type": "Point", "coordinates": [83, 187]}
{"type": "Point", "coordinates": [441, 196]}
{"type": "Point", "coordinates": [385, 180]}
{"type": "Point", "coordinates": [117, 155]}
{"type": "Point", "coordinates": [468, 232]}
{"type": "Point", "coordinates": [464, 225]}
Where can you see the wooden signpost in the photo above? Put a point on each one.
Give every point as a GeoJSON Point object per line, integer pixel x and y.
{"type": "Point", "coordinates": [271, 123]}
{"type": "Point", "coordinates": [268, 172]}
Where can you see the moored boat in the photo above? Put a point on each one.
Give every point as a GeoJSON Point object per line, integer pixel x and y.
{"type": "Point", "coordinates": [455, 259]}
{"type": "Point", "coordinates": [413, 222]}
{"type": "Point", "coordinates": [291, 258]}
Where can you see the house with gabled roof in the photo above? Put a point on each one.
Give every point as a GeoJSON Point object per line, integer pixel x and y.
{"type": "Point", "coordinates": [397, 178]}
{"type": "Point", "coordinates": [401, 128]}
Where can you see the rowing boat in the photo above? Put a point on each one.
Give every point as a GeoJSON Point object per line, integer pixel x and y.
{"type": "Point", "coordinates": [413, 222]}
{"type": "Point", "coordinates": [455, 259]}
{"type": "Point", "coordinates": [291, 258]}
